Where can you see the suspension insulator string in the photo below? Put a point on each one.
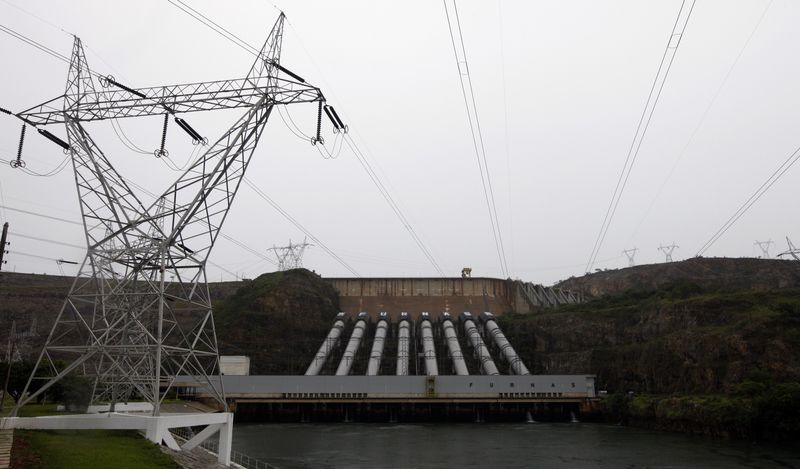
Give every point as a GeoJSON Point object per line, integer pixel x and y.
{"type": "Point", "coordinates": [19, 163]}
{"type": "Point", "coordinates": [197, 139]}
{"type": "Point", "coordinates": [161, 151]}
{"type": "Point", "coordinates": [336, 126]}
{"type": "Point", "coordinates": [318, 138]}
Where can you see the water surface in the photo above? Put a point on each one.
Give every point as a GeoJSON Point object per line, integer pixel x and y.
{"type": "Point", "coordinates": [537, 445]}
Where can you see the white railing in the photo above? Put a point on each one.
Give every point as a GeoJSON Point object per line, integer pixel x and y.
{"type": "Point", "coordinates": [211, 445]}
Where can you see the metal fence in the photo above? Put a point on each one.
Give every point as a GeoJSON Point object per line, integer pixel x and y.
{"type": "Point", "coordinates": [212, 446]}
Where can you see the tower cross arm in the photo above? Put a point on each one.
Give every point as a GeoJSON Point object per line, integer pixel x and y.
{"type": "Point", "coordinates": [116, 103]}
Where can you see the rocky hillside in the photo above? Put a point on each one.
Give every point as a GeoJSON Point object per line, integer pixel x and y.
{"type": "Point", "coordinates": [278, 320]}
{"type": "Point", "coordinates": [692, 346]}
{"type": "Point", "coordinates": [33, 302]}
{"type": "Point", "coordinates": [679, 338]}
{"type": "Point", "coordinates": [709, 273]}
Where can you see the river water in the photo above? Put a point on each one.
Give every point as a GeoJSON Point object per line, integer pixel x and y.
{"type": "Point", "coordinates": [535, 445]}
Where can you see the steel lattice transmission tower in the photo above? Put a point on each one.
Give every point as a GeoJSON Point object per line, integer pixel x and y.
{"type": "Point", "coordinates": [291, 256]}
{"type": "Point", "coordinates": [792, 251]}
{"type": "Point", "coordinates": [631, 254]}
{"type": "Point", "coordinates": [668, 250]}
{"type": "Point", "coordinates": [764, 246]}
{"type": "Point", "coordinates": [123, 324]}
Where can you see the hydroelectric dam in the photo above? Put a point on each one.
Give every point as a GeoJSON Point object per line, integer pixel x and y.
{"type": "Point", "coordinates": [402, 367]}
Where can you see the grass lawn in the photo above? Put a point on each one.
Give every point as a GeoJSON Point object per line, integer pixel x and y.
{"type": "Point", "coordinates": [32, 410]}
{"type": "Point", "coordinates": [68, 449]}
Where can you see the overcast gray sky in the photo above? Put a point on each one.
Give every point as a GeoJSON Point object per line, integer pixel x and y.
{"type": "Point", "coordinates": [559, 89]}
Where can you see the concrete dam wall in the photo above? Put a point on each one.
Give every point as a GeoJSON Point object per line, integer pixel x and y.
{"type": "Point", "coordinates": [415, 295]}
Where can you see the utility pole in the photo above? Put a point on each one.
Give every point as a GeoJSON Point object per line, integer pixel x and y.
{"type": "Point", "coordinates": [631, 253]}
{"type": "Point", "coordinates": [3, 244]}
{"type": "Point", "coordinates": [668, 250]}
{"type": "Point", "coordinates": [764, 246]}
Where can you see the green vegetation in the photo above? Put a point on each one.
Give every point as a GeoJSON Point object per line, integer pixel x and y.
{"type": "Point", "coordinates": [73, 390]}
{"type": "Point", "coordinates": [772, 412]}
{"type": "Point", "coordinates": [682, 357]}
{"type": "Point", "coordinates": [277, 319]}
{"type": "Point", "coordinates": [70, 449]}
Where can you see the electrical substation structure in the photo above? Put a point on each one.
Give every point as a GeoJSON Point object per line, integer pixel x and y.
{"type": "Point", "coordinates": [139, 312]}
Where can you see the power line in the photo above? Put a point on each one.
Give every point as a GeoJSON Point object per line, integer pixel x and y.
{"type": "Point", "coordinates": [123, 137]}
{"type": "Point", "coordinates": [36, 256]}
{"type": "Point", "coordinates": [33, 43]}
{"type": "Point", "coordinates": [45, 240]}
{"type": "Point", "coordinates": [208, 22]}
{"type": "Point", "coordinates": [225, 236]}
{"type": "Point", "coordinates": [393, 205]}
{"type": "Point", "coordinates": [27, 12]}
{"type": "Point", "coordinates": [58, 169]}
{"type": "Point", "coordinates": [505, 125]}
{"type": "Point", "coordinates": [37, 214]}
{"type": "Point", "coordinates": [40, 46]}
{"type": "Point", "coordinates": [670, 50]}
{"type": "Point", "coordinates": [701, 121]}
{"type": "Point", "coordinates": [762, 189]}
{"type": "Point", "coordinates": [297, 224]}
{"type": "Point", "coordinates": [368, 168]}
{"type": "Point", "coordinates": [477, 135]}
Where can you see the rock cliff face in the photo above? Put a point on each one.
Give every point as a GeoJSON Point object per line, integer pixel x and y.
{"type": "Point", "coordinates": [678, 339]}
{"type": "Point", "coordinates": [278, 320]}
{"type": "Point", "coordinates": [693, 347]}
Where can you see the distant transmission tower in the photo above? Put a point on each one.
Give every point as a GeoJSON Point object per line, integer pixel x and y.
{"type": "Point", "coordinates": [764, 246]}
{"type": "Point", "coordinates": [792, 251]}
{"type": "Point", "coordinates": [631, 254]}
{"type": "Point", "coordinates": [291, 256]}
{"type": "Point", "coordinates": [668, 250]}
{"type": "Point", "coordinates": [124, 324]}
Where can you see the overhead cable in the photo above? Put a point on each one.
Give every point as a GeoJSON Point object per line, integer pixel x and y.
{"type": "Point", "coordinates": [700, 122]}
{"type": "Point", "coordinates": [667, 58]}
{"type": "Point", "coordinates": [40, 46]}
{"type": "Point", "coordinates": [225, 236]}
{"type": "Point", "coordinates": [762, 189]}
{"type": "Point", "coordinates": [465, 80]}
{"type": "Point", "coordinates": [297, 224]}
{"type": "Point", "coordinates": [42, 215]}
{"type": "Point", "coordinates": [45, 240]}
{"type": "Point", "coordinates": [393, 205]}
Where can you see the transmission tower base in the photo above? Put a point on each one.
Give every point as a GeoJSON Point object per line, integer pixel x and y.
{"type": "Point", "coordinates": [158, 429]}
